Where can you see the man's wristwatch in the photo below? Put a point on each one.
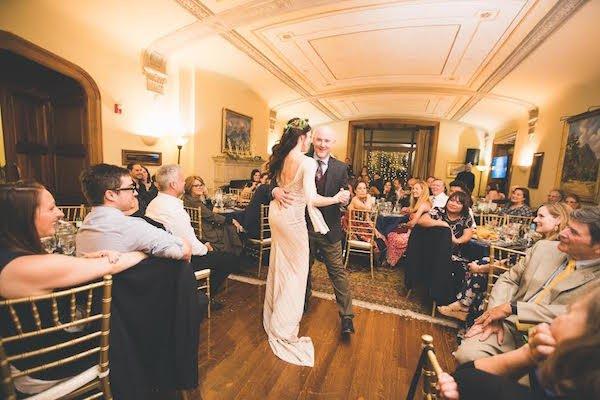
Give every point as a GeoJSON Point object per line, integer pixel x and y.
{"type": "Point", "coordinates": [513, 308]}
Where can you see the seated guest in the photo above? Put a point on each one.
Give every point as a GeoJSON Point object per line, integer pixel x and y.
{"type": "Point", "coordinates": [388, 193]}
{"type": "Point", "coordinates": [111, 192]}
{"type": "Point", "coordinates": [550, 220]}
{"type": "Point", "coordinates": [221, 234]}
{"type": "Point", "coordinates": [562, 360]}
{"type": "Point", "coordinates": [348, 162]}
{"type": "Point", "coordinates": [264, 178]}
{"type": "Point", "coordinates": [458, 186]}
{"type": "Point", "coordinates": [519, 204]}
{"type": "Point", "coordinates": [251, 220]}
{"type": "Point", "coordinates": [555, 196]}
{"type": "Point", "coordinates": [364, 176]}
{"type": "Point", "coordinates": [572, 200]}
{"type": "Point", "coordinates": [252, 184]}
{"type": "Point", "coordinates": [377, 183]}
{"type": "Point", "coordinates": [538, 289]}
{"type": "Point", "coordinates": [419, 205]}
{"type": "Point", "coordinates": [494, 194]}
{"type": "Point", "coordinates": [28, 213]}
{"type": "Point", "coordinates": [454, 215]}
{"type": "Point", "coordinates": [362, 200]}
{"type": "Point", "coordinates": [136, 172]}
{"type": "Point", "coordinates": [438, 196]}
{"type": "Point", "coordinates": [168, 209]}
{"type": "Point", "coordinates": [151, 189]}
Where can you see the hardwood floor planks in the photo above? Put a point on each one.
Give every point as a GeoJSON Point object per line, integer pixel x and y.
{"type": "Point", "coordinates": [236, 361]}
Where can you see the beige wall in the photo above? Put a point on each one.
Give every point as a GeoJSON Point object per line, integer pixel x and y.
{"type": "Point", "coordinates": [116, 72]}
{"type": "Point", "coordinates": [548, 137]}
{"type": "Point", "coordinates": [213, 92]}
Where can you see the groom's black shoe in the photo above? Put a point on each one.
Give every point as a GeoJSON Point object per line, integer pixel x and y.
{"type": "Point", "coordinates": [347, 326]}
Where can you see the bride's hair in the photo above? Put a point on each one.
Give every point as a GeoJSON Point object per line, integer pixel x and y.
{"type": "Point", "coordinates": [295, 128]}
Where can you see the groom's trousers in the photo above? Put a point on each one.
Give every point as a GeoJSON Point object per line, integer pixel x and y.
{"type": "Point", "coordinates": [332, 257]}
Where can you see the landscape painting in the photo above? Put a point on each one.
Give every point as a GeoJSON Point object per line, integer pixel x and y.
{"type": "Point", "coordinates": [582, 156]}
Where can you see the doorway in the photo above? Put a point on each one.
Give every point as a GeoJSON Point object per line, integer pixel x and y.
{"type": "Point", "coordinates": [50, 122]}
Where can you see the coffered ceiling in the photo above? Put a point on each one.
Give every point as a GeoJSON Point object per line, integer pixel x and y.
{"type": "Point", "coordinates": [346, 60]}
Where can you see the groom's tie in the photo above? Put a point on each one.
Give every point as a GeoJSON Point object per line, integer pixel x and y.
{"type": "Point", "coordinates": [319, 174]}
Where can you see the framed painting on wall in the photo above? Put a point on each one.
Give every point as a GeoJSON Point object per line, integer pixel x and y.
{"type": "Point", "coordinates": [536, 170]}
{"type": "Point", "coordinates": [237, 131]}
{"type": "Point", "coordinates": [453, 168]}
{"type": "Point", "coordinates": [141, 157]}
{"type": "Point", "coordinates": [581, 156]}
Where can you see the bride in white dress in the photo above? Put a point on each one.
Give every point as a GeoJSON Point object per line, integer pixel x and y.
{"type": "Point", "coordinates": [288, 264]}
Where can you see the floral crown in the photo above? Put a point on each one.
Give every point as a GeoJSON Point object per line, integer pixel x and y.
{"type": "Point", "coordinates": [297, 123]}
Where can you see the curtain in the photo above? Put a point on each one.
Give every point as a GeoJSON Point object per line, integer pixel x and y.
{"type": "Point", "coordinates": [359, 147]}
{"type": "Point", "coordinates": [420, 167]}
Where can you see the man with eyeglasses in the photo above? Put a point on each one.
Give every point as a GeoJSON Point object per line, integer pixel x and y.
{"type": "Point", "coordinates": [111, 192]}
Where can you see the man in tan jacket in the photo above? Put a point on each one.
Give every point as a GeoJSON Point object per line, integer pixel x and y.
{"type": "Point", "coordinates": [538, 289]}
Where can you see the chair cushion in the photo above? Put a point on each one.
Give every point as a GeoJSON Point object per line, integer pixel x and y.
{"type": "Point", "coordinates": [359, 244]}
{"type": "Point", "coordinates": [60, 389]}
{"type": "Point", "coordinates": [202, 274]}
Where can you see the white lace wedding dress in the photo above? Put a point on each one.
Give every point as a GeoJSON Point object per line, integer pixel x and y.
{"type": "Point", "coordinates": [288, 266]}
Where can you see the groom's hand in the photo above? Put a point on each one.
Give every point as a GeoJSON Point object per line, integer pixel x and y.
{"type": "Point", "coordinates": [343, 196]}
{"type": "Point", "coordinates": [283, 198]}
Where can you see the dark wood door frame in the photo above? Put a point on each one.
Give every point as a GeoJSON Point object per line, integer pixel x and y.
{"type": "Point", "coordinates": [26, 49]}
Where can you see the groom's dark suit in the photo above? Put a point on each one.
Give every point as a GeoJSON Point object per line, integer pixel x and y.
{"type": "Point", "coordinates": [334, 178]}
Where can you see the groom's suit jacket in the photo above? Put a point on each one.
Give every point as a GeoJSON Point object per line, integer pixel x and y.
{"type": "Point", "coordinates": [336, 177]}
{"type": "Point", "coordinates": [527, 278]}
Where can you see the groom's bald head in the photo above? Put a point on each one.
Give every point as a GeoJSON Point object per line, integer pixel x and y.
{"type": "Point", "coordinates": [323, 139]}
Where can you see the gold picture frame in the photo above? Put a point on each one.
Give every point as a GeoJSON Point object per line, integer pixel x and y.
{"type": "Point", "coordinates": [453, 168]}
{"type": "Point", "coordinates": [236, 133]}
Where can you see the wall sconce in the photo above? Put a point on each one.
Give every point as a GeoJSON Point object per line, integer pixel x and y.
{"type": "Point", "coordinates": [180, 142]}
{"type": "Point", "coordinates": [523, 168]}
{"type": "Point", "coordinates": [149, 140]}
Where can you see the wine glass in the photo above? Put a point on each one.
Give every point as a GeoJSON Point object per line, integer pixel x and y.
{"type": "Point", "coordinates": [49, 244]}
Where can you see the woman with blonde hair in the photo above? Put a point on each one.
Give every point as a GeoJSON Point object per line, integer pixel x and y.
{"type": "Point", "coordinates": [397, 240]}
{"type": "Point", "coordinates": [551, 218]}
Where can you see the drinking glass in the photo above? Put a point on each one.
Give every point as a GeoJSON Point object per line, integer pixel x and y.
{"type": "Point", "coordinates": [49, 244]}
{"type": "Point", "coordinates": [67, 244]}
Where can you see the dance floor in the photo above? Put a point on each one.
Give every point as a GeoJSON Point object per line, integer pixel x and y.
{"type": "Point", "coordinates": [236, 361]}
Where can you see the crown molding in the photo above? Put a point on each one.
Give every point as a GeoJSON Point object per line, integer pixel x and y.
{"type": "Point", "coordinates": [558, 15]}
{"type": "Point", "coordinates": [154, 68]}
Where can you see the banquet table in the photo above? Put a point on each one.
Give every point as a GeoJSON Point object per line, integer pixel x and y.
{"type": "Point", "coordinates": [387, 222]}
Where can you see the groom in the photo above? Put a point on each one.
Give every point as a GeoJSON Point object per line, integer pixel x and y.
{"type": "Point", "coordinates": [331, 176]}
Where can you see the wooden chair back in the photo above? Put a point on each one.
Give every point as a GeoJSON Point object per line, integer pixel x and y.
{"type": "Point", "coordinates": [492, 219]}
{"type": "Point", "coordinates": [235, 191]}
{"type": "Point", "coordinates": [361, 225]}
{"type": "Point", "coordinates": [74, 213]}
{"type": "Point", "coordinates": [27, 321]}
{"type": "Point", "coordinates": [525, 222]}
{"type": "Point", "coordinates": [195, 220]}
{"type": "Point", "coordinates": [501, 260]}
{"type": "Point", "coordinates": [265, 228]}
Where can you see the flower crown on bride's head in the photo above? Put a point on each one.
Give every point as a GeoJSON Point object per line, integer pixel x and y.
{"type": "Point", "coordinates": [297, 123]}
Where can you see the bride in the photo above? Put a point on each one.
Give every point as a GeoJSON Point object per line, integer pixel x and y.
{"type": "Point", "coordinates": [288, 263]}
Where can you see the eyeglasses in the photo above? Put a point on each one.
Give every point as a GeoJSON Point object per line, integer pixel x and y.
{"type": "Point", "coordinates": [132, 188]}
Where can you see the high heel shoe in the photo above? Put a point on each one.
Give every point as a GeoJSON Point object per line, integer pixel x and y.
{"type": "Point", "coordinates": [449, 312]}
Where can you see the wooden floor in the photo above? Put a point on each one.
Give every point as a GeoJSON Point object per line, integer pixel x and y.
{"type": "Point", "coordinates": [236, 362]}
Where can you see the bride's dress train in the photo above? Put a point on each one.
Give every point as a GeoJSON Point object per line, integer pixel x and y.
{"type": "Point", "coordinates": [288, 266]}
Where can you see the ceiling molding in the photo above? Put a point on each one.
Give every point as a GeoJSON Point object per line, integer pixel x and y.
{"type": "Point", "coordinates": [558, 15]}
{"type": "Point", "coordinates": [200, 11]}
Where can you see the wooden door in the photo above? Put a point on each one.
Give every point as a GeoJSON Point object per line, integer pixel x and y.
{"type": "Point", "coordinates": [44, 123]}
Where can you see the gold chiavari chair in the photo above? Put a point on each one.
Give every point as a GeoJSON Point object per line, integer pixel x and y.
{"type": "Point", "coordinates": [49, 321]}
{"type": "Point", "coordinates": [516, 219]}
{"type": "Point", "coordinates": [264, 240]}
{"type": "Point", "coordinates": [492, 219]}
{"type": "Point", "coordinates": [195, 220]}
{"type": "Point", "coordinates": [501, 260]}
{"type": "Point", "coordinates": [429, 368]}
{"type": "Point", "coordinates": [361, 235]}
{"type": "Point", "coordinates": [204, 276]}
{"type": "Point", "coordinates": [74, 213]}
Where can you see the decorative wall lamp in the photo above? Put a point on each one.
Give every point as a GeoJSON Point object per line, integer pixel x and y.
{"type": "Point", "coordinates": [180, 142]}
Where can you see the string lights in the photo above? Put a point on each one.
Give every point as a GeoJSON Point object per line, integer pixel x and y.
{"type": "Point", "coordinates": [388, 164]}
